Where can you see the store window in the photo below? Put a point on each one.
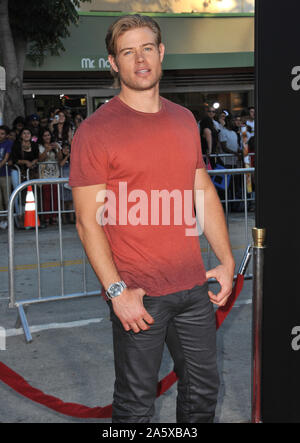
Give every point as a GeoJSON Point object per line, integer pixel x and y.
{"type": "Point", "coordinates": [197, 102]}
{"type": "Point", "coordinates": [99, 101]}
{"type": "Point", "coordinates": [41, 104]}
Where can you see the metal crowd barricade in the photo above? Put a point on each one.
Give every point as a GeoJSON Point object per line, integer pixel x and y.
{"type": "Point", "coordinates": [3, 213]}
{"type": "Point", "coordinates": [244, 199]}
{"type": "Point", "coordinates": [21, 305]}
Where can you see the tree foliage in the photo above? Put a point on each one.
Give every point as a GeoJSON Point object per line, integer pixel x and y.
{"type": "Point", "coordinates": [34, 28]}
{"type": "Point", "coordinates": [43, 24]}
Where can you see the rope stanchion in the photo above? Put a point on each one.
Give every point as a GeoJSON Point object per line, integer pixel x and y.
{"type": "Point", "coordinates": [20, 385]}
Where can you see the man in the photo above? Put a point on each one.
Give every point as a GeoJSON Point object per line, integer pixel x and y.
{"type": "Point", "coordinates": [5, 179]}
{"type": "Point", "coordinates": [34, 126]}
{"type": "Point", "coordinates": [152, 271]}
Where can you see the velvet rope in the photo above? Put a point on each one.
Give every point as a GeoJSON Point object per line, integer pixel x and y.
{"type": "Point", "coordinates": [20, 385]}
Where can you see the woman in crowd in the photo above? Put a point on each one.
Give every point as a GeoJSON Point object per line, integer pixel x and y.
{"type": "Point", "coordinates": [50, 155]}
{"type": "Point", "coordinates": [77, 120]}
{"type": "Point", "coordinates": [24, 155]}
{"type": "Point", "coordinates": [61, 129]}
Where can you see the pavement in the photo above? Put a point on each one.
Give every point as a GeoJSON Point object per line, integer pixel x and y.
{"type": "Point", "coordinates": [71, 354]}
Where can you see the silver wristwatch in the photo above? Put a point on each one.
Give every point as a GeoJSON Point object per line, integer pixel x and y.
{"type": "Point", "coordinates": [115, 289]}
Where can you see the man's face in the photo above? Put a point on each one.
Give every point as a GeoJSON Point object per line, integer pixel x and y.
{"type": "Point", "coordinates": [138, 59]}
{"type": "Point", "coordinates": [35, 123]}
{"type": "Point", "coordinates": [252, 113]}
{"type": "Point", "coordinates": [2, 136]}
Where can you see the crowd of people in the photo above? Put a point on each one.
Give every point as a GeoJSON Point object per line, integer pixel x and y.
{"type": "Point", "coordinates": [40, 148]}
{"type": "Point", "coordinates": [33, 148]}
{"type": "Point", "coordinates": [222, 133]}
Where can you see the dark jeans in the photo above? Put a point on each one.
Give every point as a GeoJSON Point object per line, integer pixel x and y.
{"type": "Point", "coordinates": [185, 320]}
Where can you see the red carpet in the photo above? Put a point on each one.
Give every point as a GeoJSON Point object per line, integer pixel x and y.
{"type": "Point", "coordinates": [20, 385]}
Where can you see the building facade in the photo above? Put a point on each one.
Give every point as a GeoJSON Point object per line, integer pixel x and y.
{"type": "Point", "coordinates": [209, 56]}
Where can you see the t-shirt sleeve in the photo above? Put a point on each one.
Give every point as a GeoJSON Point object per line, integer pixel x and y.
{"type": "Point", "coordinates": [89, 159]}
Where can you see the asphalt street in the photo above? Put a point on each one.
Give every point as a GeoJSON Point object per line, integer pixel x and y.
{"type": "Point", "coordinates": [71, 355]}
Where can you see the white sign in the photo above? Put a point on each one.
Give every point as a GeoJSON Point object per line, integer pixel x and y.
{"type": "Point", "coordinates": [2, 339]}
{"type": "Point", "coordinates": [2, 79]}
{"type": "Point", "coordinates": [94, 63]}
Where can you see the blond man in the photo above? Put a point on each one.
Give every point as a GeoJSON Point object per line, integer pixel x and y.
{"type": "Point", "coordinates": [151, 270]}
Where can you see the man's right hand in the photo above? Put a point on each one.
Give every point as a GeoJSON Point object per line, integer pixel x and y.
{"type": "Point", "coordinates": [129, 308]}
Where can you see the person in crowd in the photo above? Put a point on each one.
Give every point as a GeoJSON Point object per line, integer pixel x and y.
{"type": "Point", "coordinates": [77, 120]}
{"type": "Point", "coordinates": [211, 113]}
{"type": "Point", "coordinates": [34, 126]}
{"type": "Point", "coordinates": [67, 198]}
{"type": "Point", "coordinates": [12, 135]}
{"type": "Point", "coordinates": [50, 155]}
{"type": "Point", "coordinates": [53, 111]}
{"type": "Point", "coordinates": [221, 117]}
{"type": "Point", "coordinates": [250, 122]}
{"type": "Point", "coordinates": [44, 122]}
{"type": "Point", "coordinates": [25, 156]}
{"type": "Point", "coordinates": [5, 175]}
{"type": "Point", "coordinates": [230, 144]}
{"type": "Point", "coordinates": [18, 125]}
{"type": "Point", "coordinates": [237, 127]}
{"type": "Point", "coordinates": [209, 140]}
{"type": "Point", "coordinates": [61, 129]}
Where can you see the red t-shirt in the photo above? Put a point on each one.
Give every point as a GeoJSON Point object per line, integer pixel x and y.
{"type": "Point", "coordinates": [144, 153]}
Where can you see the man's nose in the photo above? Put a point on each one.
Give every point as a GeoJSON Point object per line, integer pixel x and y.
{"type": "Point", "coordinates": [139, 55]}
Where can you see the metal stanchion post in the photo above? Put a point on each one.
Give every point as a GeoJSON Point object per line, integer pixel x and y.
{"type": "Point", "coordinates": [258, 265]}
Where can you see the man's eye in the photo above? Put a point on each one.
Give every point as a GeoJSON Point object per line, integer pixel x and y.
{"type": "Point", "coordinates": [148, 48]}
{"type": "Point", "coordinates": [127, 52]}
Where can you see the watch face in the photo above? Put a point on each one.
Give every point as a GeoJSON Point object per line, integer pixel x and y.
{"type": "Point", "coordinates": [115, 289]}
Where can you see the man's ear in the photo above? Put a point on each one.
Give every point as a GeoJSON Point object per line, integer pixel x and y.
{"type": "Point", "coordinates": [161, 49]}
{"type": "Point", "coordinates": [112, 62]}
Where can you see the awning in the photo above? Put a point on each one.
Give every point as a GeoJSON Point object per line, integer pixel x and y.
{"type": "Point", "coordinates": [191, 43]}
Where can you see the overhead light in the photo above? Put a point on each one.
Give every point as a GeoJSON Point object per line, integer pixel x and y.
{"type": "Point", "coordinates": [216, 105]}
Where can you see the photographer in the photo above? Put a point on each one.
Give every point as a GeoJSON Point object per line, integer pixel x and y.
{"type": "Point", "coordinates": [60, 128]}
{"type": "Point", "coordinates": [49, 158]}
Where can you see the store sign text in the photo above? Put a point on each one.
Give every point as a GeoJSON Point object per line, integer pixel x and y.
{"type": "Point", "coordinates": [94, 63]}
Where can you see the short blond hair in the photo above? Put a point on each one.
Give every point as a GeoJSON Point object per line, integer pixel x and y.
{"type": "Point", "coordinates": [126, 23]}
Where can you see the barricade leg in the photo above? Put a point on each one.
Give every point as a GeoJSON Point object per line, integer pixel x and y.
{"type": "Point", "coordinates": [24, 323]}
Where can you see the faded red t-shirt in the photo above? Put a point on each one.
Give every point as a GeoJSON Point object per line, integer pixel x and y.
{"type": "Point", "coordinates": [143, 153]}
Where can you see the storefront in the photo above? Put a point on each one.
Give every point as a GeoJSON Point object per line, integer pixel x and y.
{"type": "Point", "coordinates": [209, 58]}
